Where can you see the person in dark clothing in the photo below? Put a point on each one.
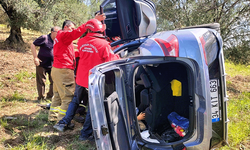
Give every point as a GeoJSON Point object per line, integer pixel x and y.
{"type": "Point", "coordinates": [43, 61]}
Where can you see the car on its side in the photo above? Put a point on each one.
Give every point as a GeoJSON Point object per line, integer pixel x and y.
{"type": "Point", "coordinates": [176, 78]}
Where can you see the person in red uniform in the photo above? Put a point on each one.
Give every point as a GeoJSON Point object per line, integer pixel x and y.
{"type": "Point", "coordinates": [63, 68]}
{"type": "Point", "coordinates": [93, 49]}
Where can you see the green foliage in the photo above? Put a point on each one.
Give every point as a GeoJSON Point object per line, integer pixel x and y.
{"type": "Point", "coordinates": [41, 15]}
{"type": "Point", "coordinates": [26, 11]}
{"type": "Point", "coordinates": [239, 54]}
{"type": "Point", "coordinates": [232, 15]}
{"type": "Point", "coordinates": [68, 10]}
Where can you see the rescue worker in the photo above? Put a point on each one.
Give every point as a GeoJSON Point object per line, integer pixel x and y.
{"type": "Point", "coordinates": [63, 68]}
{"type": "Point", "coordinates": [93, 50]}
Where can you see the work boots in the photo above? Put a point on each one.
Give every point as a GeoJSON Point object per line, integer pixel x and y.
{"type": "Point", "coordinates": [63, 127]}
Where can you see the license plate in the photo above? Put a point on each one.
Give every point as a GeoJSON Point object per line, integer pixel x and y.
{"type": "Point", "coordinates": [214, 100]}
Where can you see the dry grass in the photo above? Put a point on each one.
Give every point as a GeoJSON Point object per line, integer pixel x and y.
{"type": "Point", "coordinates": [23, 124]}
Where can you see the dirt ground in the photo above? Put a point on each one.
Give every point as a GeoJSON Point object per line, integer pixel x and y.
{"type": "Point", "coordinates": [12, 64]}
{"type": "Point", "coordinates": [238, 84]}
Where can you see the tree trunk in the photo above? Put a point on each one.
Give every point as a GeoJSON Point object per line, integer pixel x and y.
{"type": "Point", "coordinates": [15, 36]}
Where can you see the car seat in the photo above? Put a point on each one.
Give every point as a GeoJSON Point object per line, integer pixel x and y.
{"type": "Point", "coordinates": [162, 101]}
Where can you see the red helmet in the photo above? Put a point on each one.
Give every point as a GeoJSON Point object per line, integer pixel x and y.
{"type": "Point", "coordinates": [95, 25]}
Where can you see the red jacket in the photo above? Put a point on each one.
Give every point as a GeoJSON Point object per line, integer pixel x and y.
{"type": "Point", "coordinates": [63, 50]}
{"type": "Point", "coordinates": [93, 51]}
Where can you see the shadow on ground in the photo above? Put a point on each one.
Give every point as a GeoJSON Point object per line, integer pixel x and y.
{"type": "Point", "coordinates": [35, 130]}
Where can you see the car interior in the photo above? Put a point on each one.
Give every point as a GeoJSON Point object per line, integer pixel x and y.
{"type": "Point", "coordinates": [160, 90]}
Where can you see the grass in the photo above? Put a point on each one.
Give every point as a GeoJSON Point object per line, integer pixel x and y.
{"type": "Point", "coordinates": [24, 76]}
{"type": "Point", "coordinates": [80, 146]}
{"type": "Point", "coordinates": [23, 124]}
{"type": "Point", "coordinates": [4, 123]}
{"type": "Point", "coordinates": [239, 115]}
{"type": "Point", "coordinates": [42, 116]}
{"type": "Point", "coordinates": [238, 110]}
{"type": "Point", "coordinates": [22, 127]}
{"type": "Point", "coordinates": [233, 70]}
{"type": "Point", "coordinates": [16, 96]}
{"type": "Point", "coordinates": [33, 130]}
{"type": "Point", "coordinates": [1, 84]}
{"type": "Point", "coordinates": [33, 143]}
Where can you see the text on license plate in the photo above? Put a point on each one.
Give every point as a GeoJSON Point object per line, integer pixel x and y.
{"type": "Point", "coordinates": [214, 100]}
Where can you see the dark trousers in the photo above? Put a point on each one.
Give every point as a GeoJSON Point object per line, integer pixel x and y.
{"type": "Point", "coordinates": [87, 126]}
{"type": "Point", "coordinates": [41, 80]}
{"type": "Point", "coordinates": [81, 94]}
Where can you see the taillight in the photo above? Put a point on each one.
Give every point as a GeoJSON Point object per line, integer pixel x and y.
{"type": "Point", "coordinates": [170, 46]}
{"type": "Point", "coordinates": [203, 42]}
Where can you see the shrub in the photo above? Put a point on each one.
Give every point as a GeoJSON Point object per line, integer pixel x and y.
{"type": "Point", "coordinates": [239, 54]}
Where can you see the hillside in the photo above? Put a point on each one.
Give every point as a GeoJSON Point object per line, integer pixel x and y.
{"type": "Point", "coordinates": [24, 125]}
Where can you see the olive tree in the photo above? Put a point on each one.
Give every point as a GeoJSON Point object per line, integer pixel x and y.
{"type": "Point", "coordinates": [232, 15]}
{"type": "Point", "coordinates": [40, 15]}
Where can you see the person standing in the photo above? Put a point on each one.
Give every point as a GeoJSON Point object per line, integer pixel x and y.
{"type": "Point", "coordinates": [63, 68]}
{"type": "Point", "coordinates": [43, 61]}
{"type": "Point", "coordinates": [93, 49]}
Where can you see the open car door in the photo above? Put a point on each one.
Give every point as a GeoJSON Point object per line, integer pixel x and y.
{"type": "Point", "coordinates": [107, 108]}
{"type": "Point", "coordinates": [129, 19]}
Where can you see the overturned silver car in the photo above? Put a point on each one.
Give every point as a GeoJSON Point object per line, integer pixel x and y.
{"type": "Point", "coordinates": [176, 78]}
